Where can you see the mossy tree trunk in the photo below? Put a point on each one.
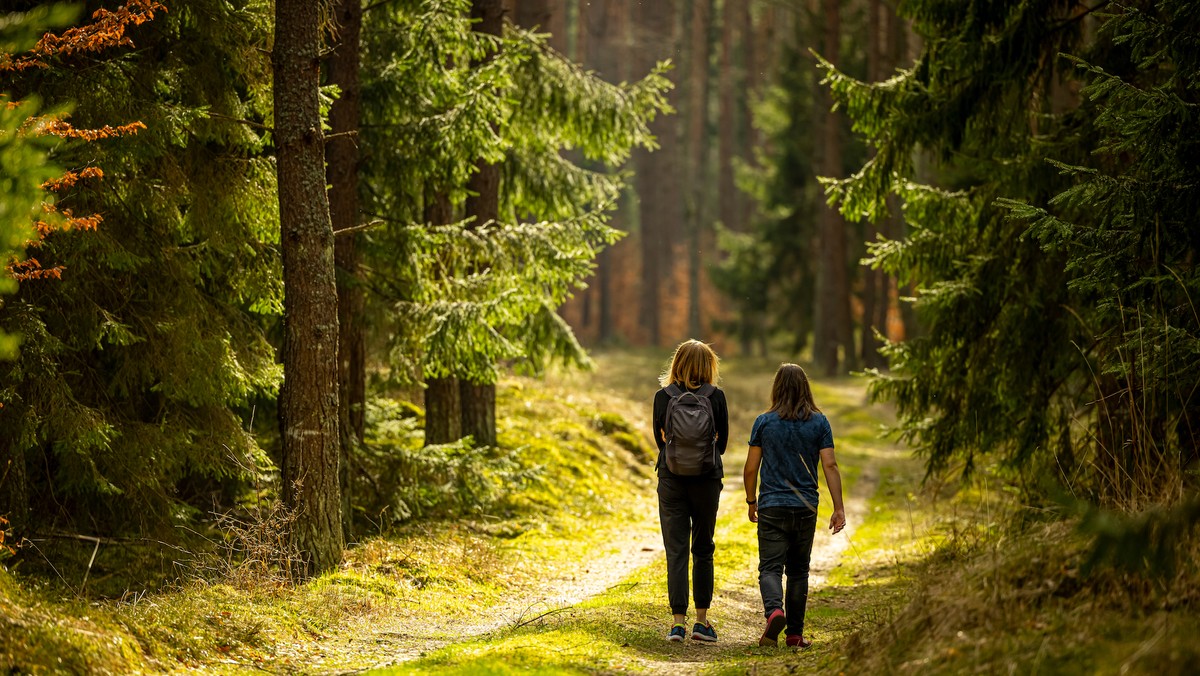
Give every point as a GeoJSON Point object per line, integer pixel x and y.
{"type": "Point", "coordinates": [308, 401]}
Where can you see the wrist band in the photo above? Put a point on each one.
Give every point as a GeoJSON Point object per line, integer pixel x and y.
{"type": "Point", "coordinates": [752, 502]}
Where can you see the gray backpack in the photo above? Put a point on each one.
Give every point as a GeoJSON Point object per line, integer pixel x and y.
{"type": "Point", "coordinates": [690, 431]}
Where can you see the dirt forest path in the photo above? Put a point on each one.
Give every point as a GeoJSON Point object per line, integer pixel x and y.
{"type": "Point", "coordinates": [630, 552]}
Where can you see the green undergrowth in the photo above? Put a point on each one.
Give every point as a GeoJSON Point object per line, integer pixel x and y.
{"type": "Point", "coordinates": [574, 471]}
{"type": "Point", "coordinates": [999, 592]}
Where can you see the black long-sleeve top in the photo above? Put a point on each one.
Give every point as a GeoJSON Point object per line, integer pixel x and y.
{"type": "Point", "coordinates": [720, 421]}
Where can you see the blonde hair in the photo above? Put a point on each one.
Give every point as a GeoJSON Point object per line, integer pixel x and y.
{"type": "Point", "coordinates": [791, 394]}
{"type": "Point", "coordinates": [693, 364]}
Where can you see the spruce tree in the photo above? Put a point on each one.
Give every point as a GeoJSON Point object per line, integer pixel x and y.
{"type": "Point", "coordinates": [471, 297]}
{"type": "Point", "coordinates": [136, 367]}
{"type": "Point", "coordinates": [1053, 263]}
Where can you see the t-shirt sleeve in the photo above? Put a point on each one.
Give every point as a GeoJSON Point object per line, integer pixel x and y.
{"type": "Point", "coordinates": [756, 432]}
{"type": "Point", "coordinates": [827, 436]}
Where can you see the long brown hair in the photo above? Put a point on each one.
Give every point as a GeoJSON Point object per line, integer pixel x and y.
{"type": "Point", "coordinates": [791, 394]}
{"type": "Point", "coordinates": [693, 364]}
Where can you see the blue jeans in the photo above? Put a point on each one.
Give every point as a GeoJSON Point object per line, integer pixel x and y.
{"type": "Point", "coordinates": [785, 539]}
{"type": "Point", "coordinates": [687, 511]}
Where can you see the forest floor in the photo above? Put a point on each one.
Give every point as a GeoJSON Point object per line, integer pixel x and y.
{"type": "Point", "coordinates": [609, 614]}
{"type": "Point", "coordinates": [925, 578]}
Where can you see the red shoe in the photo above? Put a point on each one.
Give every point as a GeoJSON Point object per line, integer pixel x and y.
{"type": "Point", "coordinates": [775, 623]}
{"type": "Point", "coordinates": [798, 641]}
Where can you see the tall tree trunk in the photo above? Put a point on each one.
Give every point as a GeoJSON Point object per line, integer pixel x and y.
{"type": "Point", "coordinates": [832, 329]}
{"type": "Point", "coordinates": [600, 39]}
{"type": "Point", "coordinates": [875, 295]}
{"type": "Point", "coordinates": [906, 48]}
{"type": "Point", "coordinates": [729, 209]}
{"type": "Point", "coordinates": [342, 176]}
{"type": "Point", "coordinates": [478, 399]}
{"type": "Point", "coordinates": [443, 409]}
{"type": "Point", "coordinates": [658, 188]}
{"type": "Point", "coordinates": [697, 18]}
{"type": "Point", "coordinates": [308, 401]}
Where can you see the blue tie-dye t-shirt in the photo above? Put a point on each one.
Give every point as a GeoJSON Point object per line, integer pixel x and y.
{"type": "Point", "coordinates": [791, 451]}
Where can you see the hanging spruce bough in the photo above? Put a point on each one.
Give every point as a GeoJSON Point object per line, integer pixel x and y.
{"type": "Point", "coordinates": [1057, 273]}
{"type": "Point", "coordinates": [997, 341]}
{"type": "Point", "coordinates": [472, 297]}
{"type": "Point", "coordinates": [1126, 231]}
{"type": "Point", "coordinates": [134, 366]}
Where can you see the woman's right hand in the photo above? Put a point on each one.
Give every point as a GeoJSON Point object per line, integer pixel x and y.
{"type": "Point", "coordinates": [838, 521]}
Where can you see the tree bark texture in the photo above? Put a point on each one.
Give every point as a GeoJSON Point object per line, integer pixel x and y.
{"type": "Point", "coordinates": [832, 329]}
{"type": "Point", "coordinates": [874, 295]}
{"type": "Point", "coordinates": [728, 209]}
{"type": "Point", "coordinates": [308, 401]}
{"type": "Point", "coordinates": [342, 177]}
{"type": "Point", "coordinates": [478, 399]}
{"type": "Point", "coordinates": [602, 28]}
{"type": "Point", "coordinates": [696, 155]}
{"type": "Point", "coordinates": [443, 416]}
{"type": "Point", "coordinates": [479, 412]}
{"type": "Point", "coordinates": [657, 181]}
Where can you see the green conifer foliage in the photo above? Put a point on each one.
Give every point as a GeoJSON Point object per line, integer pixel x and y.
{"type": "Point", "coordinates": [134, 365]}
{"type": "Point", "coordinates": [1056, 265]}
{"type": "Point", "coordinates": [469, 298]}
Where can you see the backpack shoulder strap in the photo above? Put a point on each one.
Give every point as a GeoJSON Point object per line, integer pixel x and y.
{"type": "Point", "coordinates": [673, 390]}
{"type": "Point", "coordinates": [706, 390]}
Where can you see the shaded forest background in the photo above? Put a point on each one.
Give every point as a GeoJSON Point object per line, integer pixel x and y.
{"type": "Point", "coordinates": [729, 234]}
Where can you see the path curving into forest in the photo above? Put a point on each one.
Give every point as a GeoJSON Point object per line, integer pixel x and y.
{"type": "Point", "coordinates": [736, 608]}
{"type": "Point", "coordinates": [627, 553]}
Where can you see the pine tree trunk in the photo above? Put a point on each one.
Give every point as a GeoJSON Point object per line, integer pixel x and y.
{"type": "Point", "coordinates": [308, 401]}
{"type": "Point", "coordinates": [600, 31]}
{"type": "Point", "coordinates": [443, 418]}
{"type": "Point", "coordinates": [342, 175]}
{"type": "Point", "coordinates": [479, 412]}
{"type": "Point", "coordinates": [696, 153]}
{"type": "Point", "coordinates": [832, 329]}
{"type": "Point", "coordinates": [657, 178]}
{"type": "Point", "coordinates": [729, 209]}
{"type": "Point", "coordinates": [478, 399]}
{"type": "Point", "coordinates": [443, 410]}
{"type": "Point", "coordinates": [873, 296]}
{"type": "Point", "coordinates": [534, 15]}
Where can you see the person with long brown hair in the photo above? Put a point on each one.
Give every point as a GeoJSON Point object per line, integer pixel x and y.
{"type": "Point", "coordinates": [785, 444]}
{"type": "Point", "coordinates": [691, 427]}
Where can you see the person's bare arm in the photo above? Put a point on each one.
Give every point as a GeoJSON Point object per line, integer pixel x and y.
{"type": "Point", "coordinates": [750, 479]}
{"type": "Point", "coordinates": [833, 479]}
